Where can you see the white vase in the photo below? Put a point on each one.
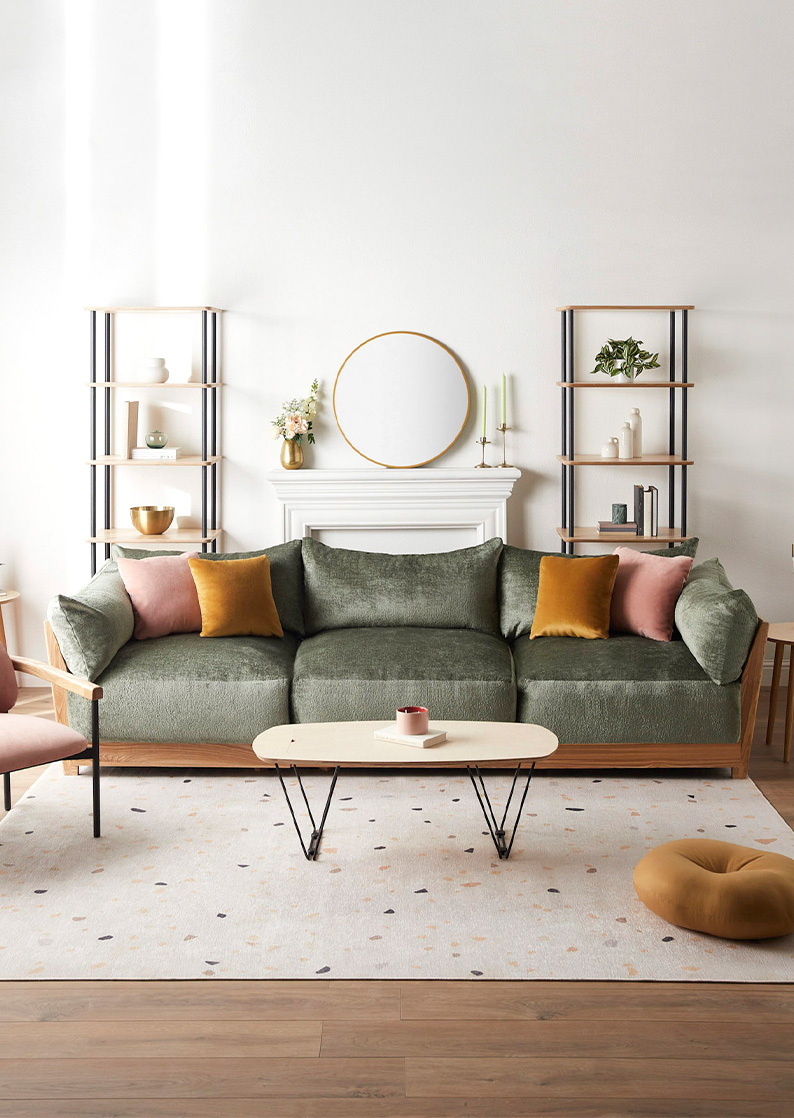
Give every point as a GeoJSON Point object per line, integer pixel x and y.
{"type": "Point", "coordinates": [151, 370]}
{"type": "Point", "coordinates": [634, 420]}
{"type": "Point", "coordinates": [610, 448]}
{"type": "Point", "coordinates": [626, 442]}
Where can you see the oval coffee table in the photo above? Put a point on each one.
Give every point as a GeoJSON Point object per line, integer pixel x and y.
{"type": "Point", "coordinates": [353, 744]}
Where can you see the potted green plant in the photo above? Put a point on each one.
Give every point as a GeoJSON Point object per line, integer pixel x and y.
{"type": "Point", "coordinates": [624, 357]}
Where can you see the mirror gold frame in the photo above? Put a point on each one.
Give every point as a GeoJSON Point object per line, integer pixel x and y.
{"type": "Point", "coordinates": [407, 411]}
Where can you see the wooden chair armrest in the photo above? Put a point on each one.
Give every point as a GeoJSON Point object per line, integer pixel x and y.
{"type": "Point", "coordinates": [82, 687]}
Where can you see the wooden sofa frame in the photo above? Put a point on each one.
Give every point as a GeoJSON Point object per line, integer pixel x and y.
{"type": "Point", "coordinates": [732, 755]}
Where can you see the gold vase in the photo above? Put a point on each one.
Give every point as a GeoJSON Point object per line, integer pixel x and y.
{"type": "Point", "coordinates": [291, 454]}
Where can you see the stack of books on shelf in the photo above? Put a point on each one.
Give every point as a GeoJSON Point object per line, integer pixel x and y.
{"type": "Point", "coordinates": [159, 454]}
{"type": "Point", "coordinates": [609, 526]}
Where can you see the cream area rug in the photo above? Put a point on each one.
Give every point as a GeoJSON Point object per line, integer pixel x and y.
{"type": "Point", "coordinates": [200, 875]}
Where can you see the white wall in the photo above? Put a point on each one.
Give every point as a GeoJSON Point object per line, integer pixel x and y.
{"type": "Point", "coordinates": [331, 170]}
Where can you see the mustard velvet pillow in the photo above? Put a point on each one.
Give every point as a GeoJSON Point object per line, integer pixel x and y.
{"type": "Point", "coordinates": [574, 596]}
{"type": "Point", "coordinates": [236, 597]}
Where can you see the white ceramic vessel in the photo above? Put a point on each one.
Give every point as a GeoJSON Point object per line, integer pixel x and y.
{"type": "Point", "coordinates": [634, 420]}
{"type": "Point", "coordinates": [626, 441]}
{"type": "Point", "coordinates": [151, 370]}
{"type": "Point", "coordinates": [610, 448]}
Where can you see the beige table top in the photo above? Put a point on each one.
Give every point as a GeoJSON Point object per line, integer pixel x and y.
{"type": "Point", "coordinates": [353, 743]}
{"type": "Point", "coordinates": [8, 596]}
{"type": "Point", "coordinates": [781, 631]}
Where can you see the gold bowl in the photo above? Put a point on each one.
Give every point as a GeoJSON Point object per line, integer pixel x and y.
{"type": "Point", "coordinates": [152, 520]}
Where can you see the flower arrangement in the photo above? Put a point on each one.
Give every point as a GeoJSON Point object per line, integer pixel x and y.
{"type": "Point", "coordinates": [295, 419]}
{"type": "Point", "coordinates": [632, 360]}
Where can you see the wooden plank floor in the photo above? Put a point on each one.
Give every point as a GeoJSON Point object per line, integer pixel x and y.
{"type": "Point", "coordinates": [401, 1049]}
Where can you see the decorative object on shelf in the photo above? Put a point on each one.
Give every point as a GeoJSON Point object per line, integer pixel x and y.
{"type": "Point", "coordinates": [634, 420]}
{"type": "Point", "coordinates": [412, 720]}
{"type": "Point", "coordinates": [130, 426]}
{"type": "Point", "coordinates": [156, 440]}
{"type": "Point", "coordinates": [151, 370]}
{"type": "Point", "coordinates": [610, 449]}
{"type": "Point", "coordinates": [626, 442]}
{"type": "Point", "coordinates": [626, 357]}
{"type": "Point", "coordinates": [401, 399]}
{"type": "Point", "coordinates": [293, 422]}
{"type": "Point", "coordinates": [291, 456]}
{"type": "Point", "coordinates": [619, 514]}
{"type": "Point", "coordinates": [483, 465]}
{"type": "Point", "coordinates": [152, 520]}
{"type": "Point", "coordinates": [155, 454]}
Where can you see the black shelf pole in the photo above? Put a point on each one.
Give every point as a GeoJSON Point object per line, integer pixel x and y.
{"type": "Point", "coordinates": [214, 408]}
{"type": "Point", "coordinates": [107, 428]}
{"type": "Point", "coordinates": [684, 413]}
{"type": "Point", "coordinates": [671, 469]}
{"type": "Point", "coordinates": [563, 430]}
{"type": "Point", "coordinates": [204, 430]}
{"type": "Point", "coordinates": [571, 437]}
{"type": "Point", "coordinates": [92, 351]}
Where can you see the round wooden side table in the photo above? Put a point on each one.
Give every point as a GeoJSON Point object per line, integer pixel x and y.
{"type": "Point", "coordinates": [9, 596]}
{"type": "Point", "coordinates": [781, 635]}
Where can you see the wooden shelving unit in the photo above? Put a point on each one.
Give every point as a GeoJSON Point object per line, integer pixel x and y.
{"type": "Point", "coordinates": [675, 460]}
{"type": "Point", "coordinates": [106, 462]}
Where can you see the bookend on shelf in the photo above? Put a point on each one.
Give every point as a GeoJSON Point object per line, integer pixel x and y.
{"type": "Point", "coordinates": [570, 534]}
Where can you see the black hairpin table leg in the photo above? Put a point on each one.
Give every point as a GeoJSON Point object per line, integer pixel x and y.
{"type": "Point", "coordinates": [310, 851]}
{"type": "Point", "coordinates": [497, 830]}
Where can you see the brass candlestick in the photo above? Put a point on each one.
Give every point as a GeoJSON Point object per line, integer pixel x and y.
{"type": "Point", "coordinates": [504, 463]}
{"type": "Point", "coordinates": [483, 442]}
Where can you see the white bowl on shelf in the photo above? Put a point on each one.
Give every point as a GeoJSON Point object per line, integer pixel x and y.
{"type": "Point", "coordinates": [151, 370]}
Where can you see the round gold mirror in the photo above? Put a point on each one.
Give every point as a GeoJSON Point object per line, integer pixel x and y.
{"type": "Point", "coordinates": [401, 399]}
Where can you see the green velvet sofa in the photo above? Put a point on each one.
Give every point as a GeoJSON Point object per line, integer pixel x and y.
{"type": "Point", "coordinates": [365, 633]}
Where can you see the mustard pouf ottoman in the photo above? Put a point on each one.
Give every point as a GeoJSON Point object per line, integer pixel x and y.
{"type": "Point", "coordinates": [719, 888]}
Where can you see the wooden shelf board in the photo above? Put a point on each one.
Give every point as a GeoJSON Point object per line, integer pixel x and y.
{"type": "Point", "coordinates": [154, 310]}
{"type": "Point", "coordinates": [625, 307]}
{"type": "Point", "coordinates": [592, 535]}
{"type": "Point", "coordinates": [165, 384]}
{"type": "Point", "coordinates": [625, 383]}
{"type": "Point", "coordinates": [173, 535]}
{"type": "Point", "coordinates": [188, 460]}
{"type": "Point", "coordinates": [646, 460]}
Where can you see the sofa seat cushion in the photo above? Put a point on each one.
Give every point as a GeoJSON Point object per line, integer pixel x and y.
{"type": "Point", "coordinates": [624, 689]}
{"type": "Point", "coordinates": [359, 674]}
{"type": "Point", "coordinates": [183, 688]}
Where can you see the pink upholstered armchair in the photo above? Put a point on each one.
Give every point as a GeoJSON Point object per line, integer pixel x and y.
{"type": "Point", "coordinates": [26, 741]}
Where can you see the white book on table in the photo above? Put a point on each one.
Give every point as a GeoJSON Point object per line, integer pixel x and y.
{"type": "Point", "coordinates": [419, 741]}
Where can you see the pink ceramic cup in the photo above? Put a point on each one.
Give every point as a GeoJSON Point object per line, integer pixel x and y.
{"type": "Point", "coordinates": [412, 720]}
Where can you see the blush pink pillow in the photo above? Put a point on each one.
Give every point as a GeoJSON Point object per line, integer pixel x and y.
{"type": "Point", "coordinates": [163, 595]}
{"type": "Point", "coordinates": [647, 588]}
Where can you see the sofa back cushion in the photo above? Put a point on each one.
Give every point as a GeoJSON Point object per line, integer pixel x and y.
{"type": "Point", "coordinates": [519, 572]}
{"type": "Point", "coordinates": [286, 575]}
{"type": "Point", "coordinates": [354, 589]}
{"type": "Point", "coordinates": [717, 623]}
{"type": "Point", "coordinates": [94, 623]}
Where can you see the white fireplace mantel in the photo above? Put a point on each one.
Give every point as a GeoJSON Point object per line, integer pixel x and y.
{"type": "Point", "coordinates": [415, 510]}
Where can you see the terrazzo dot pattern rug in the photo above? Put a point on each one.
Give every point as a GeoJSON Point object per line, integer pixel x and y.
{"type": "Point", "coordinates": [200, 875]}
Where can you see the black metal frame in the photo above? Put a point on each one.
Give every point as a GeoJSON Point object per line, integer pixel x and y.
{"type": "Point", "coordinates": [497, 830]}
{"type": "Point", "coordinates": [90, 754]}
{"type": "Point", "coordinates": [209, 428]}
{"type": "Point", "coordinates": [568, 439]}
{"type": "Point", "coordinates": [310, 852]}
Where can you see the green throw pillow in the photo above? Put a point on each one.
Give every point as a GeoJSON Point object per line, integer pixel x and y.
{"type": "Point", "coordinates": [360, 589]}
{"type": "Point", "coordinates": [93, 624]}
{"type": "Point", "coordinates": [716, 622]}
{"type": "Point", "coordinates": [519, 571]}
{"type": "Point", "coordinates": [286, 575]}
